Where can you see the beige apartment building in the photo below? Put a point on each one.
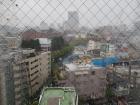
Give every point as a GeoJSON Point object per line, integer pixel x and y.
{"type": "Point", "coordinates": [22, 74]}
{"type": "Point", "coordinates": [2, 87]}
{"type": "Point", "coordinates": [12, 79]}
{"type": "Point", "coordinates": [38, 68]}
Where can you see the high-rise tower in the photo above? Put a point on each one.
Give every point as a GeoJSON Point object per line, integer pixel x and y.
{"type": "Point", "coordinates": [72, 23]}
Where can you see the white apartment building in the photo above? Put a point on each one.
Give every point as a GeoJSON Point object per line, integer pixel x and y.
{"type": "Point", "coordinates": [92, 45]}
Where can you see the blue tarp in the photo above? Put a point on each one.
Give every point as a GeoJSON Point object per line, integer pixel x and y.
{"type": "Point", "coordinates": [103, 62]}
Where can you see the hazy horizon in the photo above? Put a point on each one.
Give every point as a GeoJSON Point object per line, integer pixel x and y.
{"type": "Point", "coordinates": [92, 13]}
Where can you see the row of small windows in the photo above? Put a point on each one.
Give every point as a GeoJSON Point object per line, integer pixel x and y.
{"type": "Point", "coordinates": [36, 83]}
{"type": "Point", "coordinates": [34, 61]}
{"type": "Point", "coordinates": [34, 67]}
{"type": "Point", "coordinates": [34, 78]}
{"type": "Point", "coordinates": [34, 73]}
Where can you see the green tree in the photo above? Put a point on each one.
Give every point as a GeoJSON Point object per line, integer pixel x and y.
{"type": "Point", "coordinates": [109, 94]}
{"type": "Point", "coordinates": [35, 103]}
{"type": "Point", "coordinates": [34, 44]}
{"type": "Point", "coordinates": [57, 43]}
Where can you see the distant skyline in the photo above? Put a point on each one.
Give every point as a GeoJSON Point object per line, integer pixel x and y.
{"type": "Point", "coordinates": [92, 13]}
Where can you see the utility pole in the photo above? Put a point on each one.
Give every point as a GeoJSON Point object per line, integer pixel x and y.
{"type": "Point", "coordinates": [135, 79]}
{"type": "Point", "coordinates": [129, 73]}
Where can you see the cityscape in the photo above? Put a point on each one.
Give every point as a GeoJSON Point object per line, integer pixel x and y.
{"type": "Point", "coordinates": [68, 62]}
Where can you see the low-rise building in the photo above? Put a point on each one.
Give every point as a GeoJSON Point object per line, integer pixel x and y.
{"type": "Point", "coordinates": [80, 50]}
{"type": "Point", "coordinates": [88, 83]}
{"type": "Point", "coordinates": [59, 96]}
{"type": "Point", "coordinates": [94, 53]}
{"type": "Point", "coordinates": [108, 49]}
{"type": "Point", "coordinates": [32, 34]}
{"type": "Point", "coordinates": [92, 45]}
{"type": "Point", "coordinates": [45, 44]}
{"type": "Point", "coordinates": [134, 75]}
{"type": "Point", "coordinates": [9, 43]}
{"type": "Point", "coordinates": [83, 36]}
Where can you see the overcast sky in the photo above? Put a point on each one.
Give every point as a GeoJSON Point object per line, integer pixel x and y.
{"type": "Point", "coordinates": [91, 12]}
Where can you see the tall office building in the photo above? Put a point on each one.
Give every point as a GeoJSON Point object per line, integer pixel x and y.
{"type": "Point", "coordinates": [73, 18]}
{"type": "Point", "coordinates": [44, 26]}
{"type": "Point", "coordinates": [72, 23]}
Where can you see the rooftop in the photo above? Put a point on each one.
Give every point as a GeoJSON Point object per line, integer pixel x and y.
{"type": "Point", "coordinates": [44, 41]}
{"type": "Point", "coordinates": [58, 96]}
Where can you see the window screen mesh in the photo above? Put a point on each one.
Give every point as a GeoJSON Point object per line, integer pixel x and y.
{"type": "Point", "coordinates": [113, 17]}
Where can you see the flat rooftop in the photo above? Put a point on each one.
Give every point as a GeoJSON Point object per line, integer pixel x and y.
{"type": "Point", "coordinates": [58, 96]}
